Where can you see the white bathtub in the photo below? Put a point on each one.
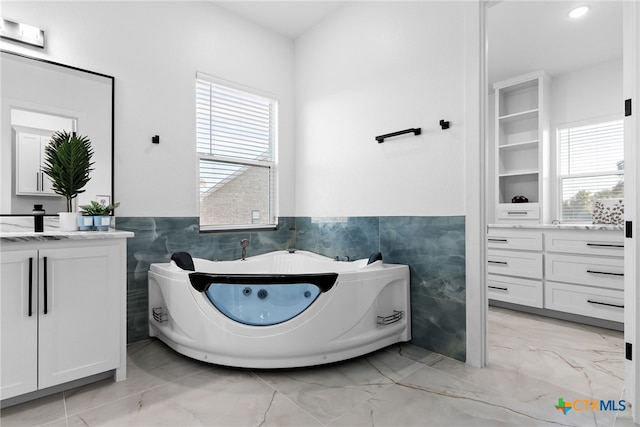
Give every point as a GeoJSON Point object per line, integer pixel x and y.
{"type": "Point", "coordinates": [354, 309]}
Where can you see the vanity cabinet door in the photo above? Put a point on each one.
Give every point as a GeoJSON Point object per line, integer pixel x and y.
{"type": "Point", "coordinates": [79, 310]}
{"type": "Point", "coordinates": [19, 323]}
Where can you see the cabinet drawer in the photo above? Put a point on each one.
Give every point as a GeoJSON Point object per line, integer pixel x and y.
{"type": "Point", "coordinates": [501, 238]}
{"type": "Point", "coordinates": [593, 302]}
{"type": "Point", "coordinates": [515, 263]}
{"type": "Point", "coordinates": [583, 270]}
{"type": "Point", "coordinates": [515, 290]}
{"type": "Point", "coordinates": [588, 242]}
{"type": "Point", "coordinates": [518, 211]}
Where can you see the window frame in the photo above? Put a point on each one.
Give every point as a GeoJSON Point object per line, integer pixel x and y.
{"type": "Point", "coordinates": [271, 165]}
{"type": "Point", "coordinates": [559, 177]}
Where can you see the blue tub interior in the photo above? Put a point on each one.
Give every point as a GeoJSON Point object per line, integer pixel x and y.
{"type": "Point", "coordinates": [262, 304]}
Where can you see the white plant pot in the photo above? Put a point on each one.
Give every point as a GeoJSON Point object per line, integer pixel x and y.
{"type": "Point", "coordinates": [68, 221]}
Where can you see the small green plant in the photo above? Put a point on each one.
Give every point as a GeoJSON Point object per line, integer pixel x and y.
{"type": "Point", "coordinates": [67, 161]}
{"type": "Point", "coordinates": [97, 209]}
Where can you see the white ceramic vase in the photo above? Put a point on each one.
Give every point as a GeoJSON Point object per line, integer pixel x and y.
{"type": "Point", "coordinates": [68, 221]}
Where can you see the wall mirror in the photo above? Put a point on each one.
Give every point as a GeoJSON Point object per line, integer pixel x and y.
{"type": "Point", "coordinates": [38, 98]}
{"type": "Point", "coordinates": [583, 60]}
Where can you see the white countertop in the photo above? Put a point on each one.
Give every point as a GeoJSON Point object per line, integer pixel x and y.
{"type": "Point", "coordinates": [609, 227]}
{"type": "Point", "coordinates": [31, 236]}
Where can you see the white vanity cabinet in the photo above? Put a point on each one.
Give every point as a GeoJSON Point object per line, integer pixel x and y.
{"type": "Point", "coordinates": [63, 312]}
{"type": "Point", "coordinates": [514, 260]}
{"type": "Point", "coordinates": [576, 271]}
{"type": "Point", "coordinates": [584, 272]}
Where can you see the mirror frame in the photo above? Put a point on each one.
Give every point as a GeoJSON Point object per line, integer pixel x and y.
{"type": "Point", "coordinates": [83, 70]}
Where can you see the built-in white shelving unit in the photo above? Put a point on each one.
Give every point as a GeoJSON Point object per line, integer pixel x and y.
{"type": "Point", "coordinates": [522, 144]}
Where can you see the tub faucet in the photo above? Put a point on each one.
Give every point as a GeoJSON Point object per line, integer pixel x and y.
{"type": "Point", "coordinates": [244, 243]}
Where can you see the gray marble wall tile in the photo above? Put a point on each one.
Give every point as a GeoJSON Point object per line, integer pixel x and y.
{"type": "Point", "coordinates": [434, 249]}
{"type": "Point", "coordinates": [355, 237]}
{"type": "Point", "coordinates": [439, 325]}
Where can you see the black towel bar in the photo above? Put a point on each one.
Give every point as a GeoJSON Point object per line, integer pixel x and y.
{"type": "Point", "coordinates": [415, 131]}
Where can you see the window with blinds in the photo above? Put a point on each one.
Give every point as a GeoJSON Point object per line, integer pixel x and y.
{"type": "Point", "coordinates": [235, 140]}
{"type": "Point", "coordinates": [591, 167]}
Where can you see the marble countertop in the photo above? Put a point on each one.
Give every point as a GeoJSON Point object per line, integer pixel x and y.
{"type": "Point", "coordinates": [609, 227]}
{"type": "Point", "coordinates": [31, 236]}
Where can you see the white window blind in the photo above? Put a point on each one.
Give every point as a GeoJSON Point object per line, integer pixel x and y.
{"type": "Point", "coordinates": [235, 140]}
{"type": "Point", "coordinates": [591, 167]}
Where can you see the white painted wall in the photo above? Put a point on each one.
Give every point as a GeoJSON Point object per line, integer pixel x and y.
{"type": "Point", "coordinates": [153, 49]}
{"type": "Point", "coordinates": [587, 93]}
{"type": "Point", "coordinates": [373, 68]}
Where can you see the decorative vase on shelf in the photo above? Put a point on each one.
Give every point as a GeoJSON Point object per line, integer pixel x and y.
{"type": "Point", "coordinates": [68, 221]}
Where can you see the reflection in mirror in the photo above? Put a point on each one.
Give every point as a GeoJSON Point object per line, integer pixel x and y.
{"type": "Point", "coordinates": [31, 133]}
{"type": "Point", "coordinates": [38, 99]}
{"type": "Point", "coordinates": [582, 59]}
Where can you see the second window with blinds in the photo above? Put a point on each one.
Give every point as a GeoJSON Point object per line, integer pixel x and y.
{"type": "Point", "coordinates": [235, 140]}
{"type": "Point", "coordinates": [591, 166]}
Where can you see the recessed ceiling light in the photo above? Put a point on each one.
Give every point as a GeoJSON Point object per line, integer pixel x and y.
{"type": "Point", "coordinates": [578, 11]}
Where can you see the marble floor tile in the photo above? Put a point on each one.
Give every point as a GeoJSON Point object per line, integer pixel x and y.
{"type": "Point", "coordinates": [150, 364]}
{"type": "Point", "coordinates": [214, 397]}
{"type": "Point", "coordinates": [577, 357]}
{"type": "Point", "coordinates": [533, 361]}
{"type": "Point", "coordinates": [326, 392]}
{"type": "Point", "coordinates": [523, 388]}
{"type": "Point", "coordinates": [433, 398]}
{"type": "Point", "coordinates": [415, 353]}
{"type": "Point", "coordinates": [36, 412]}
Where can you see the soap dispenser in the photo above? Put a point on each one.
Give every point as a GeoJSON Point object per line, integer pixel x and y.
{"type": "Point", "coordinates": [38, 218]}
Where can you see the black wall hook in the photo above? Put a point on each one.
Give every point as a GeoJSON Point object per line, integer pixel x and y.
{"type": "Point", "coordinates": [444, 124]}
{"type": "Point", "coordinates": [155, 139]}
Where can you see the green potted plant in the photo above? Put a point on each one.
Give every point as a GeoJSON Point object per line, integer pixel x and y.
{"type": "Point", "coordinates": [67, 161]}
{"type": "Point", "coordinates": [100, 213]}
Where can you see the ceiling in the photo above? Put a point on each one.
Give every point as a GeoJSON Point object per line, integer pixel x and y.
{"type": "Point", "coordinates": [288, 18]}
{"type": "Point", "coordinates": [525, 36]}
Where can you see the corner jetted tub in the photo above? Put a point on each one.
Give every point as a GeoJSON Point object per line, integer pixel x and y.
{"type": "Point", "coordinates": [278, 310]}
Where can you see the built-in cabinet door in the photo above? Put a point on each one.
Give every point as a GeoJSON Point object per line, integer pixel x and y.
{"type": "Point", "coordinates": [28, 163]}
{"type": "Point", "coordinates": [19, 323]}
{"type": "Point", "coordinates": [45, 181]}
{"type": "Point", "coordinates": [30, 156]}
{"type": "Point", "coordinates": [79, 334]}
